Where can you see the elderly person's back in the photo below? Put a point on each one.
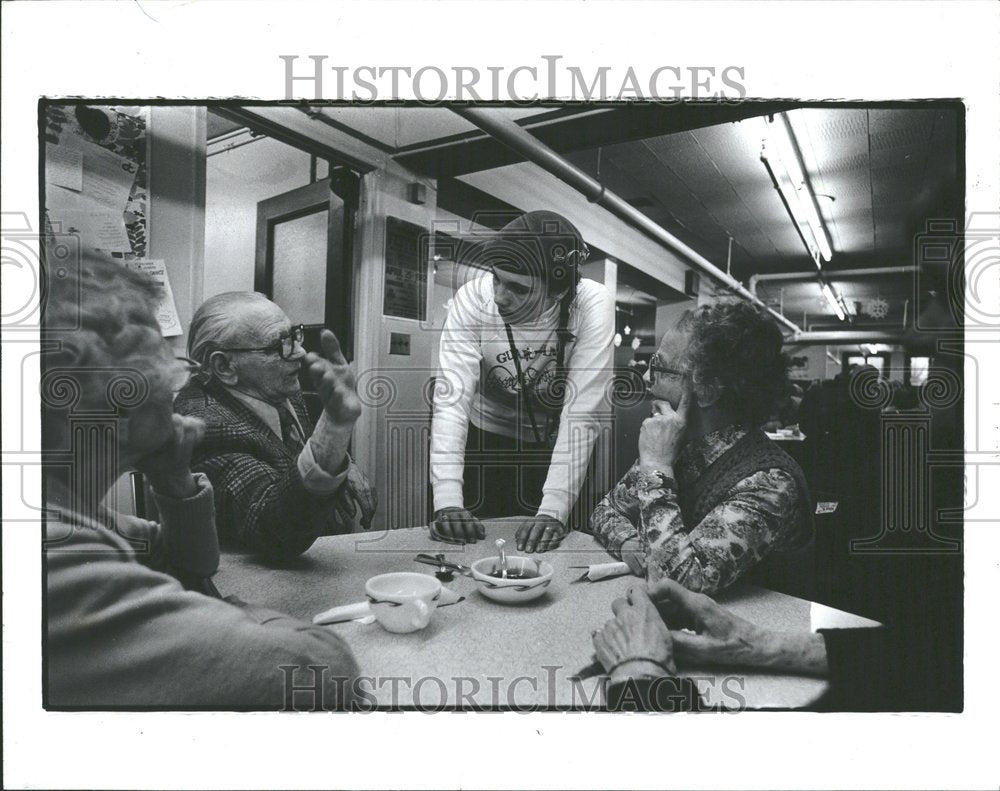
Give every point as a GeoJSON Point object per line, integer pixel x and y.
{"type": "Point", "coordinates": [279, 481]}
{"type": "Point", "coordinates": [711, 497]}
{"type": "Point", "coordinates": [121, 630]}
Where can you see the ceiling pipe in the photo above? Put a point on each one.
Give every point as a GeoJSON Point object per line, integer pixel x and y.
{"type": "Point", "coordinates": [843, 274]}
{"type": "Point", "coordinates": [532, 149]}
{"type": "Point", "coordinates": [840, 337]}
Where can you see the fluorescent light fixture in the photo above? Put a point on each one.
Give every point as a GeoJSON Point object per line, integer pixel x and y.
{"type": "Point", "coordinates": [833, 301]}
{"type": "Point", "coordinates": [781, 152]}
{"type": "Point", "coordinates": [784, 183]}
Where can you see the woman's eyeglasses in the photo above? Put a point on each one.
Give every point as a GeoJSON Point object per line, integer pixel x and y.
{"type": "Point", "coordinates": [284, 346]}
{"type": "Point", "coordinates": [656, 368]}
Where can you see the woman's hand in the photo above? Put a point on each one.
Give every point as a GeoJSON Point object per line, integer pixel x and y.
{"type": "Point", "coordinates": [168, 468]}
{"type": "Point", "coordinates": [718, 637]}
{"type": "Point", "coordinates": [540, 533]}
{"type": "Point", "coordinates": [662, 434]}
{"type": "Point", "coordinates": [632, 554]}
{"type": "Point", "coordinates": [456, 526]}
{"type": "Point", "coordinates": [636, 641]}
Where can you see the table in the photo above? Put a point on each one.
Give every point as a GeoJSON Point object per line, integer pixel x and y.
{"type": "Point", "coordinates": [479, 653]}
{"type": "Point", "coordinates": [779, 436]}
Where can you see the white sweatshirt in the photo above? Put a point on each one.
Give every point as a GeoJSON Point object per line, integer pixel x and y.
{"type": "Point", "coordinates": [477, 381]}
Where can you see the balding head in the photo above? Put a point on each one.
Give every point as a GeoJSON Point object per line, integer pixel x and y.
{"type": "Point", "coordinates": [226, 320]}
{"type": "Point", "coordinates": [236, 338]}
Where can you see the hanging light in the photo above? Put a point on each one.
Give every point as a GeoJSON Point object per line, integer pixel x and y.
{"type": "Point", "coordinates": [618, 339]}
{"type": "Point", "coordinates": [628, 330]}
{"type": "Point", "coordinates": [636, 343]}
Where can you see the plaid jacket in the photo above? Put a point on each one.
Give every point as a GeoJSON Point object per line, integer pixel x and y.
{"type": "Point", "coordinates": [260, 500]}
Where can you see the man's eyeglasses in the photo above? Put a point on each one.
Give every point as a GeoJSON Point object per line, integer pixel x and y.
{"type": "Point", "coordinates": [284, 345]}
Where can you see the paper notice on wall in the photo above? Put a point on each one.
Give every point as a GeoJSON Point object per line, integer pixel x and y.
{"type": "Point", "coordinates": [107, 176]}
{"type": "Point", "coordinates": [166, 312]}
{"type": "Point", "coordinates": [64, 167]}
{"type": "Point", "coordinates": [97, 226]}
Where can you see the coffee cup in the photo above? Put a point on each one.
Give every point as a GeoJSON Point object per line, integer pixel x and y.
{"type": "Point", "coordinates": [403, 601]}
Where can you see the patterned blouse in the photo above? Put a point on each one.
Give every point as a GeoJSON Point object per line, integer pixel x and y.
{"type": "Point", "coordinates": [758, 515]}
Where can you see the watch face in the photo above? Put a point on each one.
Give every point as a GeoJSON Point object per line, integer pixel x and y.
{"type": "Point", "coordinates": [666, 480]}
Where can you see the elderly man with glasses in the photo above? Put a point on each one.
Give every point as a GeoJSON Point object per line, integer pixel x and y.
{"type": "Point", "coordinates": [711, 498]}
{"type": "Point", "coordinates": [279, 482]}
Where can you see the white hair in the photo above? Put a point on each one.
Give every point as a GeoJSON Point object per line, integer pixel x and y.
{"type": "Point", "coordinates": [219, 322]}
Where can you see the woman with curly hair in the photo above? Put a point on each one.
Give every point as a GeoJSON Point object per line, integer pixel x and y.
{"type": "Point", "coordinates": [710, 496]}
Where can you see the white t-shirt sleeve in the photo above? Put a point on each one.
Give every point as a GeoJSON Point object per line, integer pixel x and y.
{"type": "Point", "coordinates": [457, 380]}
{"type": "Point", "coordinates": [588, 375]}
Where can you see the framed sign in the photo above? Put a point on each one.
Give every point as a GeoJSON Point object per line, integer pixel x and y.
{"type": "Point", "coordinates": [405, 285]}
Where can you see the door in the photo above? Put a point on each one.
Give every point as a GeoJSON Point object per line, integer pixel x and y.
{"type": "Point", "coordinates": [304, 256]}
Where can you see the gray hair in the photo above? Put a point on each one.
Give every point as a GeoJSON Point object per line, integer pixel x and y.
{"type": "Point", "coordinates": [100, 320]}
{"type": "Point", "coordinates": [218, 323]}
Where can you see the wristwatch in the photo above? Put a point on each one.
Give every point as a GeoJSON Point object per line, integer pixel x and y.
{"type": "Point", "coordinates": [662, 480]}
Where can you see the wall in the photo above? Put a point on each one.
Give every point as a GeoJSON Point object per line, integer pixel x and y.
{"type": "Point", "coordinates": [392, 437]}
{"type": "Point", "coordinates": [176, 223]}
{"type": "Point", "coordinates": [177, 204]}
{"type": "Point", "coordinates": [668, 314]}
{"type": "Point", "coordinates": [817, 362]}
{"type": "Point", "coordinates": [529, 188]}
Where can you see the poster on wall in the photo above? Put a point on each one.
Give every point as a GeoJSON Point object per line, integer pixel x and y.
{"type": "Point", "coordinates": [95, 176]}
{"type": "Point", "coordinates": [405, 270]}
{"type": "Point", "coordinates": [166, 311]}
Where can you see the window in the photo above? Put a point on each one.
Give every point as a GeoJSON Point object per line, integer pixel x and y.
{"type": "Point", "coordinates": [918, 370]}
{"type": "Point", "coordinates": [877, 361]}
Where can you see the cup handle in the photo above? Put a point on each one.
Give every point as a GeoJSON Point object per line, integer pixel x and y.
{"type": "Point", "coordinates": [423, 616]}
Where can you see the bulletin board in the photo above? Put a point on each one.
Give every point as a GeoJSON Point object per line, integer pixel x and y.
{"type": "Point", "coordinates": [96, 189]}
{"type": "Point", "coordinates": [96, 176]}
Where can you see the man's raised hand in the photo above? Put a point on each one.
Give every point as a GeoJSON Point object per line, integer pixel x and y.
{"type": "Point", "coordinates": [334, 381]}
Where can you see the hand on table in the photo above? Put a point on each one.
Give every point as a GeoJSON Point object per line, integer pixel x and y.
{"type": "Point", "coordinates": [662, 434]}
{"type": "Point", "coordinates": [719, 638]}
{"type": "Point", "coordinates": [168, 468]}
{"type": "Point", "coordinates": [632, 554]}
{"type": "Point", "coordinates": [334, 381]}
{"type": "Point", "coordinates": [540, 533]}
{"type": "Point", "coordinates": [360, 489]}
{"type": "Point", "coordinates": [457, 526]}
{"type": "Point", "coordinates": [635, 641]}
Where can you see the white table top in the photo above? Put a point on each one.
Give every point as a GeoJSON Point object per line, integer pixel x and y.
{"type": "Point", "coordinates": [781, 436]}
{"type": "Point", "coordinates": [482, 653]}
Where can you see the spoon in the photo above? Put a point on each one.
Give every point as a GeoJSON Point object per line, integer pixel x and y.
{"type": "Point", "coordinates": [503, 558]}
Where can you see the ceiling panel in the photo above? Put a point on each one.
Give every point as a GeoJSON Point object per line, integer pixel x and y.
{"type": "Point", "coordinates": [399, 127]}
{"type": "Point", "coordinates": [876, 173]}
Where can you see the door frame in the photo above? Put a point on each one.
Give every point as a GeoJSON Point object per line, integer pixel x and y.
{"type": "Point", "coordinates": [301, 202]}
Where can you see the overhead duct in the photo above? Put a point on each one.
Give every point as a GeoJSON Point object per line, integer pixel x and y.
{"type": "Point", "coordinates": [849, 336]}
{"type": "Point", "coordinates": [843, 274]}
{"type": "Point", "coordinates": [532, 149]}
